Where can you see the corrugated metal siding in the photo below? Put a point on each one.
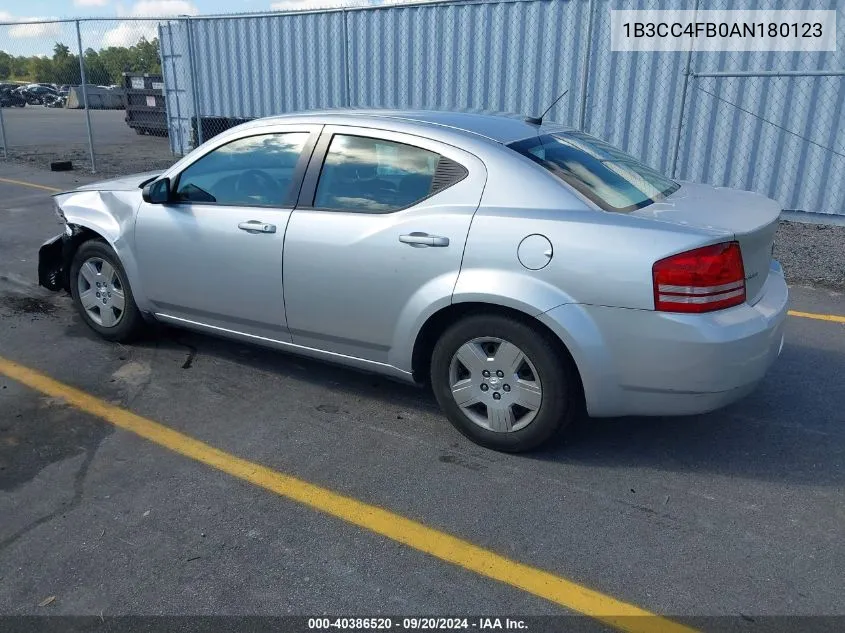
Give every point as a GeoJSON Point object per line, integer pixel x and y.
{"type": "Point", "coordinates": [502, 57]}
{"type": "Point", "coordinates": [254, 67]}
{"type": "Point", "coordinates": [633, 98]}
{"type": "Point", "coordinates": [783, 137]}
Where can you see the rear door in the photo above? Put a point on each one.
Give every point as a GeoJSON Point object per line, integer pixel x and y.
{"type": "Point", "coordinates": [377, 236]}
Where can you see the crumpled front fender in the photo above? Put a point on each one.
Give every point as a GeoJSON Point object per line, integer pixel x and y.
{"type": "Point", "coordinates": [111, 215]}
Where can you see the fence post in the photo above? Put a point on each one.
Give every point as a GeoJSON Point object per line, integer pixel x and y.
{"type": "Point", "coordinates": [346, 59]}
{"type": "Point", "coordinates": [192, 68]}
{"type": "Point", "coordinates": [3, 135]}
{"type": "Point", "coordinates": [684, 89]}
{"type": "Point", "coordinates": [85, 98]}
{"type": "Point", "coordinates": [585, 70]}
{"type": "Point", "coordinates": [679, 127]}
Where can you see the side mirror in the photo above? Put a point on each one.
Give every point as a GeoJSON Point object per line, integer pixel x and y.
{"type": "Point", "coordinates": [157, 192]}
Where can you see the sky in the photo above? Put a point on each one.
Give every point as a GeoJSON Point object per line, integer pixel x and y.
{"type": "Point", "coordinates": [38, 39]}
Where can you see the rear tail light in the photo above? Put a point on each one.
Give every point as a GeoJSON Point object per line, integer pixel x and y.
{"type": "Point", "coordinates": [701, 280]}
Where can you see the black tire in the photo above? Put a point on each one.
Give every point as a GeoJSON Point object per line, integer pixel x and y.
{"type": "Point", "coordinates": [556, 373]}
{"type": "Point", "coordinates": [130, 324]}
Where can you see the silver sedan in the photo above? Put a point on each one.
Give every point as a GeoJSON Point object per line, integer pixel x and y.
{"type": "Point", "coordinates": [524, 270]}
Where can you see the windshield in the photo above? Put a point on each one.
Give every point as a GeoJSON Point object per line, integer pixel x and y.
{"type": "Point", "coordinates": [607, 176]}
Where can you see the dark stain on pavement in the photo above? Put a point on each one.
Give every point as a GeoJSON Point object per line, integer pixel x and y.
{"type": "Point", "coordinates": [37, 431]}
{"type": "Point", "coordinates": [457, 460]}
{"type": "Point", "coordinates": [23, 305]}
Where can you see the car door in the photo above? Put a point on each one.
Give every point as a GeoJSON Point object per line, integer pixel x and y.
{"type": "Point", "coordinates": [377, 237]}
{"type": "Point", "coordinates": [213, 254]}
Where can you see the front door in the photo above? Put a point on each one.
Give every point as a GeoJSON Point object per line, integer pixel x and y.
{"type": "Point", "coordinates": [376, 238]}
{"type": "Point", "coordinates": [213, 255]}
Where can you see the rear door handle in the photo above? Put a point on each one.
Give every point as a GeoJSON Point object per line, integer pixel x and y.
{"type": "Point", "coordinates": [418, 240]}
{"type": "Point", "coordinates": [256, 226]}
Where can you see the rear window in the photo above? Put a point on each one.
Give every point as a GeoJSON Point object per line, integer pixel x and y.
{"type": "Point", "coordinates": [609, 177]}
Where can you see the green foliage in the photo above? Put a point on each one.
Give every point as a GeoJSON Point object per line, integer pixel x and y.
{"type": "Point", "coordinates": [14, 67]}
{"type": "Point", "coordinates": [103, 67]}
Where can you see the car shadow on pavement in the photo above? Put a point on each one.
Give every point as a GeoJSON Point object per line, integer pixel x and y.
{"type": "Point", "coordinates": [318, 373]}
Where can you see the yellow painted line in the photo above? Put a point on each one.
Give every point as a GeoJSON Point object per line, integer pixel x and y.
{"type": "Point", "coordinates": [566, 593]}
{"type": "Point", "coordinates": [23, 183]}
{"type": "Point", "coordinates": [820, 317]}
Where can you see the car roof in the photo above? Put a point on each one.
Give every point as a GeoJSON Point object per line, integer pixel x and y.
{"type": "Point", "coordinates": [499, 127]}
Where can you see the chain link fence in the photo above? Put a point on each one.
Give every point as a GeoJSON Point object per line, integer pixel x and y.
{"type": "Point", "coordinates": [135, 94]}
{"type": "Point", "coordinates": [68, 95]}
{"type": "Point", "coordinates": [794, 120]}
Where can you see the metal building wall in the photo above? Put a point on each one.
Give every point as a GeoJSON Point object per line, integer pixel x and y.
{"type": "Point", "coordinates": [497, 56]}
{"type": "Point", "coordinates": [782, 136]}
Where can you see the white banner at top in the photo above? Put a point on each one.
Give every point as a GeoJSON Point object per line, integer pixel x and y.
{"type": "Point", "coordinates": [722, 30]}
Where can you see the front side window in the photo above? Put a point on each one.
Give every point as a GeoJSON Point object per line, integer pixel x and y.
{"type": "Point", "coordinates": [609, 177]}
{"type": "Point", "coordinates": [252, 171]}
{"type": "Point", "coordinates": [374, 175]}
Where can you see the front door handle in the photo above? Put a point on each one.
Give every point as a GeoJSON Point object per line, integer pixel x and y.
{"type": "Point", "coordinates": [256, 226]}
{"type": "Point", "coordinates": [418, 240]}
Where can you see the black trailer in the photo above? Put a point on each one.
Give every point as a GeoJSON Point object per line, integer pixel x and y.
{"type": "Point", "coordinates": [143, 95]}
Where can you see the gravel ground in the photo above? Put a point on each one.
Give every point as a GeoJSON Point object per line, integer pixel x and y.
{"type": "Point", "coordinates": [812, 253]}
{"type": "Point", "coordinates": [37, 136]}
{"type": "Point", "coordinates": [112, 160]}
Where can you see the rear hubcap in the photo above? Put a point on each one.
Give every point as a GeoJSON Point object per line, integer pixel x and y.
{"type": "Point", "coordinates": [495, 384]}
{"type": "Point", "coordinates": [101, 292]}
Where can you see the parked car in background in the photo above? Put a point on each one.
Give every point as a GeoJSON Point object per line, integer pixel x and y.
{"type": "Point", "coordinates": [521, 269]}
{"type": "Point", "coordinates": [35, 94]}
{"type": "Point", "coordinates": [54, 100]}
{"type": "Point", "coordinates": [11, 97]}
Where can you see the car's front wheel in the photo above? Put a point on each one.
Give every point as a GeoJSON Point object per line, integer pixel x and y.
{"type": "Point", "coordinates": [101, 293]}
{"type": "Point", "coordinates": [503, 383]}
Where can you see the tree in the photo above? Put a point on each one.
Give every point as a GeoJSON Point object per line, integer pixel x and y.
{"type": "Point", "coordinates": [95, 70]}
{"type": "Point", "coordinates": [65, 66]}
{"type": "Point", "coordinates": [60, 51]}
{"type": "Point", "coordinates": [105, 66]}
{"type": "Point", "coordinates": [147, 56]}
{"type": "Point", "coordinates": [6, 64]}
{"type": "Point", "coordinates": [40, 69]}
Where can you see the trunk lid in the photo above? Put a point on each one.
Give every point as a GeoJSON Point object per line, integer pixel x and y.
{"type": "Point", "coordinates": [749, 218]}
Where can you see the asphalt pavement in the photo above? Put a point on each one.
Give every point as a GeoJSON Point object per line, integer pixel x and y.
{"type": "Point", "coordinates": [737, 513]}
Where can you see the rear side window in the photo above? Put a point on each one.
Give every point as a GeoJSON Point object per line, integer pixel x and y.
{"type": "Point", "coordinates": [378, 176]}
{"type": "Point", "coordinates": [252, 171]}
{"type": "Point", "coordinates": [609, 177]}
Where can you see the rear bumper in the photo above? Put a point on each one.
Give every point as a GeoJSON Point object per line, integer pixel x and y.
{"type": "Point", "coordinates": [641, 362]}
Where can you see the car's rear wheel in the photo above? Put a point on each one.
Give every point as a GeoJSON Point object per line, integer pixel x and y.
{"type": "Point", "coordinates": [101, 293]}
{"type": "Point", "coordinates": [503, 383]}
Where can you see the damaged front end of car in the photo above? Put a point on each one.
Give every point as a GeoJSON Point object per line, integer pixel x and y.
{"type": "Point", "coordinates": [55, 255]}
